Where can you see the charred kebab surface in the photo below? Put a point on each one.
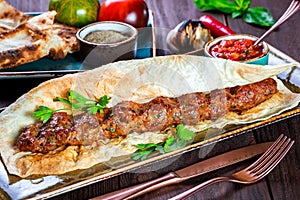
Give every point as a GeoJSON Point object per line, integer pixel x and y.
{"type": "Point", "coordinates": [126, 117]}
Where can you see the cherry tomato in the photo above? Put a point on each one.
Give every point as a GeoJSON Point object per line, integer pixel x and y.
{"type": "Point", "coordinates": [216, 28]}
{"type": "Point", "coordinates": [133, 12]}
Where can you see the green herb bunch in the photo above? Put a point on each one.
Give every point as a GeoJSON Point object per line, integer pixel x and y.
{"type": "Point", "coordinates": [77, 102]}
{"type": "Point", "coordinates": [239, 8]}
{"type": "Point", "coordinates": [183, 138]}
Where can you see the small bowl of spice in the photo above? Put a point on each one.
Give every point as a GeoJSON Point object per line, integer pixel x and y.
{"type": "Point", "coordinates": [105, 42]}
{"type": "Point", "coordinates": [238, 47]}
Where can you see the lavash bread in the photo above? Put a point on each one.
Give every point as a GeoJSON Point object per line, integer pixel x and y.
{"type": "Point", "coordinates": [136, 80]}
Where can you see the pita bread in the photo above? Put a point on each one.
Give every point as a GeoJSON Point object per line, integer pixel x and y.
{"type": "Point", "coordinates": [63, 41]}
{"type": "Point", "coordinates": [136, 80]}
{"type": "Point", "coordinates": [28, 42]}
{"type": "Point", "coordinates": [10, 17]}
{"type": "Point", "coordinates": [18, 28]}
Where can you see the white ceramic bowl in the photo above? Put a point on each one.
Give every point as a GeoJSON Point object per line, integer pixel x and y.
{"type": "Point", "coordinates": [261, 60]}
{"type": "Point", "coordinates": [94, 55]}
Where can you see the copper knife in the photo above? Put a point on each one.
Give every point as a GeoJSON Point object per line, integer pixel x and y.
{"type": "Point", "coordinates": [191, 171]}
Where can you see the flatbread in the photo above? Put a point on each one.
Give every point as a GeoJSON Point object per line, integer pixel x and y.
{"type": "Point", "coordinates": [10, 17]}
{"type": "Point", "coordinates": [136, 80]}
{"type": "Point", "coordinates": [63, 41]}
{"type": "Point", "coordinates": [22, 31]}
{"type": "Point", "coordinates": [28, 42]}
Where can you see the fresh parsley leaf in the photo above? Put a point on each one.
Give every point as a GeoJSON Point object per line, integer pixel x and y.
{"type": "Point", "coordinates": [184, 134]}
{"type": "Point", "coordinates": [145, 149]}
{"type": "Point", "coordinates": [103, 101]}
{"type": "Point", "coordinates": [98, 106]}
{"type": "Point", "coordinates": [182, 138]}
{"type": "Point", "coordinates": [174, 144]}
{"type": "Point", "coordinates": [43, 113]}
{"type": "Point", "coordinates": [66, 101]}
{"type": "Point", "coordinates": [75, 96]}
{"type": "Point", "coordinates": [141, 155]}
{"type": "Point", "coordinates": [160, 149]}
{"type": "Point", "coordinates": [147, 146]}
{"type": "Point", "coordinates": [77, 102]}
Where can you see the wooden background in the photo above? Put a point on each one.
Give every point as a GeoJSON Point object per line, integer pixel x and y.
{"type": "Point", "coordinates": [283, 183]}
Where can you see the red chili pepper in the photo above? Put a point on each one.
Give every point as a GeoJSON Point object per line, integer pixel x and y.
{"type": "Point", "coordinates": [216, 28]}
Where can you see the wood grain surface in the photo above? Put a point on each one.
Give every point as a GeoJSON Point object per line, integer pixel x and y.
{"type": "Point", "coordinates": [282, 183]}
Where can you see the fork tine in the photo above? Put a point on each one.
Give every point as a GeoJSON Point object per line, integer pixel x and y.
{"type": "Point", "coordinates": [267, 162]}
{"type": "Point", "coordinates": [266, 153]}
{"type": "Point", "coordinates": [271, 154]}
{"type": "Point", "coordinates": [275, 162]}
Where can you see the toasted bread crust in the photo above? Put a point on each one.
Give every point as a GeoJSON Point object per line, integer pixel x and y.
{"type": "Point", "coordinates": [37, 37]}
{"type": "Point", "coordinates": [28, 42]}
{"type": "Point", "coordinates": [64, 41]}
{"type": "Point", "coordinates": [10, 17]}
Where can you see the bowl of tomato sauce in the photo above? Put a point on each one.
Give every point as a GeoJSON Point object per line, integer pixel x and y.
{"type": "Point", "coordinates": [238, 47]}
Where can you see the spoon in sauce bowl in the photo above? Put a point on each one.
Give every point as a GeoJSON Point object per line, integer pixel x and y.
{"type": "Point", "coordinates": [292, 9]}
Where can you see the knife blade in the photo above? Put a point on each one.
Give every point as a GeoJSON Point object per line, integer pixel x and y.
{"type": "Point", "coordinates": [202, 167]}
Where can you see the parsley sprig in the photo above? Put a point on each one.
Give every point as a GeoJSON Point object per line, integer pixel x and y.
{"type": "Point", "coordinates": [182, 138]}
{"type": "Point", "coordinates": [77, 102]}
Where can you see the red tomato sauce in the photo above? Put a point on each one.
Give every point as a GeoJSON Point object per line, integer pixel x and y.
{"type": "Point", "coordinates": [237, 50]}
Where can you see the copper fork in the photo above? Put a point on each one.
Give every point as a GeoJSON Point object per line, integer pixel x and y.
{"type": "Point", "coordinates": [291, 10]}
{"type": "Point", "coordinates": [254, 172]}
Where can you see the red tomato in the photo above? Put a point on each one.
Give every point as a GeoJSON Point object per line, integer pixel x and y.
{"type": "Point", "coordinates": [133, 12]}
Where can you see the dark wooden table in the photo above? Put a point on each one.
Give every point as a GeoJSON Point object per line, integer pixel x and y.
{"type": "Point", "coordinates": [282, 183]}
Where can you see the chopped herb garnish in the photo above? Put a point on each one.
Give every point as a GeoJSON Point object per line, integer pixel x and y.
{"type": "Point", "coordinates": [183, 138]}
{"type": "Point", "coordinates": [77, 102]}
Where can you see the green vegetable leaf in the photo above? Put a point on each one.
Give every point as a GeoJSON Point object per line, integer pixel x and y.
{"type": "Point", "coordinates": [174, 144]}
{"type": "Point", "coordinates": [43, 113]}
{"type": "Point", "coordinates": [182, 138]}
{"type": "Point", "coordinates": [160, 149]}
{"type": "Point", "coordinates": [243, 5]}
{"type": "Point", "coordinates": [145, 149]}
{"type": "Point", "coordinates": [103, 101]}
{"type": "Point", "coordinates": [236, 14]}
{"type": "Point", "coordinates": [184, 134]}
{"type": "Point", "coordinates": [141, 155]}
{"type": "Point", "coordinates": [66, 101]}
{"type": "Point", "coordinates": [147, 146]}
{"type": "Point", "coordinates": [99, 105]}
{"type": "Point", "coordinates": [258, 15]}
{"type": "Point", "coordinates": [238, 8]}
{"type": "Point", "coordinates": [225, 6]}
{"type": "Point", "coordinates": [77, 102]}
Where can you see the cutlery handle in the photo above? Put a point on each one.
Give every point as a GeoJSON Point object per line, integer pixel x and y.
{"type": "Point", "coordinates": [199, 187]}
{"type": "Point", "coordinates": [126, 192]}
{"type": "Point", "coordinates": [156, 186]}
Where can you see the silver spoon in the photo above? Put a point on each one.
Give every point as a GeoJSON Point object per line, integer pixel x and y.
{"type": "Point", "coordinates": [292, 9]}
